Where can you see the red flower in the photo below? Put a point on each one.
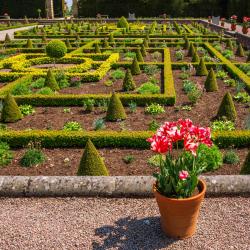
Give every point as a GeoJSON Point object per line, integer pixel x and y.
{"type": "Point", "coordinates": [234, 17]}
{"type": "Point", "coordinates": [160, 144]}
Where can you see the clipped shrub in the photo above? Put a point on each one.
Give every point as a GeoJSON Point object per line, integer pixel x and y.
{"type": "Point", "coordinates": [186, 44]}
{"type": "Point", "coordinates": [111, 38]}
{"type": "Point", "coordinates": [201, 69]}
{"type": "Point", "coordinates": [45, 91]}
{"type": "Point", "coordinates": [7, 38]}
{"type": "Point", "coordinates": [105, 44]}
{"type": "Point", "coordinates": [72, 126]}
{"type": "Point", "coordinates": [145, 43]}
{"type": "Point", "coordinates": [148, 88]}
{"type": "Point", "coordinates": [211, 82]}
{"type": "Point", "coordinates": [123, 23]}
{"type": "Point", "coordinates": [56, 49]}
{"type": "Point", "coordinates": [191, 50]}
{"type": "Point", "coordinates": [143, 51]}
{"type": "Point", "coordinates": [246, 166]}
{"type": "Point", "coordinates": [29, 44]}
{"type": "Point", "coordinates": [240, 51]}
{"type": "Point", "coordinates": [97, 48]}
{"type": "Point", "coordinates": [128, 82]}
{"type": "Point", "coordinates": [115, 110]}
{"type": "Point", "coordinates": [195, 57]}
{"type": "Point", "coordinates": [139, 55]}
{"type": "Point", "coordinates": [227, 109]}
{"type": "Point", "coordinates": [91, 163]}
{"type": "Point", "coordinates": [229, 44]}
{"type": "Point", "coordinates": [68, 44]}
{"type": "Point", "coordinates": [10, 111]}
{"type": "Point", "coordinates": [248, 57]}
{"type": "Point", "coordinates": [50, 81]}
{"type": "Point", "coordinates": [135, 68]}
{"type": "Point", "coordinates": [118, 74]}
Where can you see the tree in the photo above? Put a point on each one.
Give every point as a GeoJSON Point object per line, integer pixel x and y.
{"type": "Point", "coordinates": [56, 49]}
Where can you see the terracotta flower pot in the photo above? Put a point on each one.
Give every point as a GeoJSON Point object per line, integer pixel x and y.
{"type": "Point", "coordinates": [244, 30]}
{"type": "Point", "coordinates": [222, 24]}
{"type": "Point", "coordinates": [233, 26]}
{"type": "Point", "coordinates": [179, 216]}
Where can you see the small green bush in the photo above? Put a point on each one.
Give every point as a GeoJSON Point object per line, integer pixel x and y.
{"type": "Point", "coordinates": [21, 89]}
{"type": "Point", "coordinates": [45, 91]}
{"type": "Point", "coordinates": [26, 109]}
{"type": "Point", "coordinates": [179, 55]}
{"type": "Point", "coordinates": [56, 49]}
{"type": "Point", "coordinates": [72, 126]}
{"type": "Point", "coordinates": [240, 51]}
{"type": "Point", "coordinates": [89, 105]}
{"type": "Point", "coordinates": [99, 124]}
{"type": "Point", "coordinates": [148, 88]}
{"type": "Point", "coordinates": [151, 69]}
{"type": "Point", "coordinates": [194, 95]}
{"type": "Point", "coordinates": [154, 109]}
{"type": "Point", "coordinates": [118, 74]}
{"type": "Point", "coordinates": [231, 157]}
{"type": "Point", "coordinates": [128, 159]}
{"type": "Point", "coordinates": [242, 97]}
{"type": "Point", "coordinates": [223, 126]}
{"type": "Point", "coordinates": [132, 107]}
{"type": "Point", "coordinates": [38, 84]}
{"type": "Point", "coordinates": [32, 157]}
{"type": "Point", "coordinates": [153, 125]}
{"type": "Point", "coordinates": [211, 83]}
{"type": "Point", "coordinates": [6, 155]}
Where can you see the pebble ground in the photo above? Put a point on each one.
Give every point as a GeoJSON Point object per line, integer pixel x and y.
{"type": "Point", "coordinates": [102, 223]}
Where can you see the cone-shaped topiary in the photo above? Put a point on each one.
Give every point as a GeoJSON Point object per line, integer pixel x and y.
{"type": "Point", "coordinates": [111, 38]}
{"type": "Point", "coordinates": [10, 111]}
{"type": "Point", "coordinates": [195, 57]}
{"type": "Point", "coordinates": [145, 43]}
{"type": "Point", "coordinates": [139, 55]}
{"type": "Point", "coordinates": [246, 166]}
{"type": "Point", "coordinates": [44, 39]}
{"type": "Point", "coordinates": [105, 43]}
{"type": "Point", "coordinates": [128, 82]}
{"type": "Point", "coordinates": [135, 68]}
{"type": "Point", "coordinates": [91, 163]}
{"type": "Point", "coordinates": [122, 23]}
{"type": "Point", "coordinates": [227, 109]}
{"type": "Point", "coordinates": [7, 38]}
{"type": "Point", "coordinates": [211, 82]}
{"type": "Point", "coordinates": [143, 51]}
{"type": "Point", "coordinates": [191, 50]}
{"type": "Point", "coordinates": [68, 44]}
{"type": "Point", "coordinates": [229, 44]}
{"type": "Point", "coordinates": [115, 110]}
{"type": "Point", "coordinates": [201, 69]}
{"type": "Point", "coordinates": [187, 43]}
{"type": "Point", "coordinates": [240, 51]}
{"type": "Point", "coordinates": [50, 81]}
{"type": "Point", "coordinates": [97, 48]}
{"type": "Point", "coordinates": [29, 44]}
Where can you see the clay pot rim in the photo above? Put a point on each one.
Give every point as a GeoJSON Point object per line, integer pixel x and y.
{"type": "Point", "coordinates": [203, 188]}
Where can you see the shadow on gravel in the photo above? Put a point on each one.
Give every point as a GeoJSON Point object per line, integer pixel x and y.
{"type": "Point", "coordinates": [131, 233]}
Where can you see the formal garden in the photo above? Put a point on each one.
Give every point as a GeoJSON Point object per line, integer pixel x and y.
{"type": "Point", "coordinates": [125, 100]}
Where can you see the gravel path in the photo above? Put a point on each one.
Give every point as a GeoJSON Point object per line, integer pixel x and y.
{"type": "Point", "coordinates": [12, 31]}
{"type": "Point", "coordinates": [100, 223]}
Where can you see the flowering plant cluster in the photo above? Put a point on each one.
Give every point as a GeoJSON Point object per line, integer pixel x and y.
{"type": "Point", "coordinates": [178, 177]}
{"type": "Point", "coordinates": [233, 18]}
{"type": "Point", "coordinates": [246, 21]}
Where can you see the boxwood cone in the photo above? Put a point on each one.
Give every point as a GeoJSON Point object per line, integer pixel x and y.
{"type": "Point", "coordinates": [50, 81]}
{"type": "Point", "coordinates": [135, 68]}
{"type": "Point", "coordinates": [246, 166]}
{"type": "Point", "coordinates": [191, 49]}
{"type": "Point", "coordinates": [139, 55]}
{"type": "Point", "coordinates": [115, 110]}
{"type": "Point", "coordinates": [91, 163]}
{"type": "Point", "coordinates": [227, 109]}
{"type": "Point", "coordinates": [10, 111]}
{"type": "Point", "coordinates": [211, 82]}
{"type": "Point", "coordinates": [97, 48]}
{"type": "Point", "coordinates": [240, 51]}
{"type": "Point", "coordinates": [29, 44]}
{"type": "Point", "coordinates": [195, 57]}
{"type": "Point", "coordinates": [201, 69]}
{"type": "Point", "coordinates": [128, 82]}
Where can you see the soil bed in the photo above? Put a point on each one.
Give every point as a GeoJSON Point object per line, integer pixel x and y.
{"type": "Point", "coordinates": [64, 162]}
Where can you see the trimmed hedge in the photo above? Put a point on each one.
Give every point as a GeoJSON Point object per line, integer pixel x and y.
{"type": "Point", "coordinates": [101, 139]}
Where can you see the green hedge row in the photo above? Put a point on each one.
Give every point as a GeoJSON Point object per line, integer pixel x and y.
{"type": "Point", "coordinates": [126, 139]}
{"type": "Point", "coordinates": [232, 69]}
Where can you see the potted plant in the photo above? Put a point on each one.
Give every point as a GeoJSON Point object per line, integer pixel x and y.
{"type": "Point", "coordinates": [245, 24]}
{"type": "Point", "coordinates": [233, 22]}
{"type": "Point", "coordinates": [222, 22]}
{"type": "Point", "coordinates": [178, 189]}
{"type": "Point", "coordinates": [209, 19]}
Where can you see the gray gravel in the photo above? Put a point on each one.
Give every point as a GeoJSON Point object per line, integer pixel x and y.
{"type": "Point", "coordinates": [101, 223]}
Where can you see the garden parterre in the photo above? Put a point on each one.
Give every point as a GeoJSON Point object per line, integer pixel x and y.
{"type": "Point", "coordinates": [164, 61]}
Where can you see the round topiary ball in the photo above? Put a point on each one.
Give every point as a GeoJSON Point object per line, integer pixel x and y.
{"type": "Point", "coordinates": [56, 49]}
